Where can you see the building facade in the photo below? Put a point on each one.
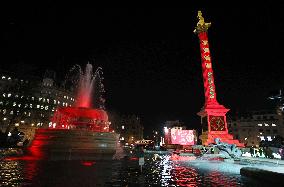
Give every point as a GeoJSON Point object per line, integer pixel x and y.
{"type": "Point", "coordinates": [128, 126]}
{"type": "Point", "coordinates": [175, 123]}
{"type": "Point", "coordinates": [29, 102]}
{"type": "Point", "coordinates": [253, 127]}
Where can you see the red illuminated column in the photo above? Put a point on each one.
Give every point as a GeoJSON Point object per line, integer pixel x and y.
{"type": "Point", "coordinates": [215, 123]}
{"type": "Point", "coordinates": [207, 71]}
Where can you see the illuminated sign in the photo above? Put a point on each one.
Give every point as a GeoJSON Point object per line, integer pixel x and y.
{"type": "Point", "coordinates": [182, 137]}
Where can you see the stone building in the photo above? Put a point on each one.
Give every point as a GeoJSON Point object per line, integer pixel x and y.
{"type": "Point", "coordinates": [252, 127]}
{"type": "Point", "coordinates": [128, 126]}
{"type": "Point", "coordinates": [28, 102]}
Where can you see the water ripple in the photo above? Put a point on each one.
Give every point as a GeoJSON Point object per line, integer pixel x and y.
{"type": "Point", "coordinates": [126, 172]}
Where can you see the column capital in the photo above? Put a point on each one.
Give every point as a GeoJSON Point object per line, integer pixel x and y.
{"type": "Point", "coordinates": [201, 25]}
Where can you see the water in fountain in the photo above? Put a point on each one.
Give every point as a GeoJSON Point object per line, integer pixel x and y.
{"type": "Point", "coordinates": [84, 82]}
{"type": "Point", "coordinates": [83, 113]}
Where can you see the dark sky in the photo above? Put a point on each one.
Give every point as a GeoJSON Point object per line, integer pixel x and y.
{"type": "Point", "coordinates": [150, 56]}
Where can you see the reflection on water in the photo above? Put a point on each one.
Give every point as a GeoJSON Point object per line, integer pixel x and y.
{"type": "Point", "coordinates": [186, 176]}
{"type": "Point", "coordinates": [10, 174]}
{"type": "Point", "coordinates": [216, 178]}
{"type": "Point", "coordinates": [156, 172]}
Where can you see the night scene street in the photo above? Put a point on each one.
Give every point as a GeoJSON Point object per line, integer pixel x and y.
{"type": "Point", "coordinates": [143, 96]}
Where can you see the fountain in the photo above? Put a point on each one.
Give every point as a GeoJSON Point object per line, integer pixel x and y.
{"type": "Point", "coordinates": [82, 115]}
{"type": "Point", "coordinates": [78, 132]}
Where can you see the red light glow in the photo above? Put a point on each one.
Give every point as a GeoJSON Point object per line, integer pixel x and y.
{"type": "Point", "coordinates": [70, 117]}
{"type": "Point", "coordinates": [87, 163]}
{"type": "Point", "coordinates": [133, 158]}
{"type": "Point", "coordinates": [176, 157]}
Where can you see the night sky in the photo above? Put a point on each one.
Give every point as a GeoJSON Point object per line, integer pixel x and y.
{"type": "Point", "coordinates": [150, 56]}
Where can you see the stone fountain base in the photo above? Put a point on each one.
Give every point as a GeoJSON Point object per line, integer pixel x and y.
{"type": "Point", "coordinates": [64, 144]}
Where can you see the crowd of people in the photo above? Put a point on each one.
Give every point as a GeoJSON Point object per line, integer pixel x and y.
{"type": "Point", "coordinates": [265, 152]}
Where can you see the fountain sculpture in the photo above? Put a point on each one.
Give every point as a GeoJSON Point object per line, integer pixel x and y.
{"type": "Point", "coordinates": [227, 150]}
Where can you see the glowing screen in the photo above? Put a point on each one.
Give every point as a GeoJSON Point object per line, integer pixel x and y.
{"type": "Point", "coordinates": [182, 137]}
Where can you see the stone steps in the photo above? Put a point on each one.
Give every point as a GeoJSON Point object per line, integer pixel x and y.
{"type": "Point", "coordinates": [263, 175]}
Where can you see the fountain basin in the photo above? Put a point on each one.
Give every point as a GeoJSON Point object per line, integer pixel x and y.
{"type": "Point", "coordinates": [73, 144]}
{"type": "Point", "coordinates": [80, 118]}
{"type": "Point", "coordinates": [83, 112]}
